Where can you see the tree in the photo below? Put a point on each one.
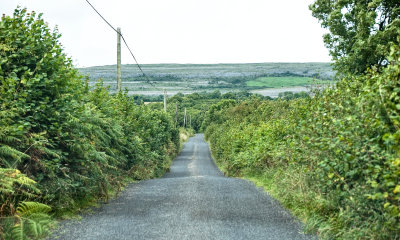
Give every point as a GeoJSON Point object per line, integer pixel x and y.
{"type": "Point", "coordinates": [35, 75]}
{"type": "Point", "coordinates": [360, 31]}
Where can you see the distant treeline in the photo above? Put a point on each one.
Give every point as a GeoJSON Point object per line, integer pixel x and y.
{"type": "Point", "coordinates": [198, 104]}
{"type": "Point", "coordinates": [213, 79]}
{"type": "Point", "coordinates": [216, 95]}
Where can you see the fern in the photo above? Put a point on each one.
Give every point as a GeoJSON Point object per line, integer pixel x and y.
{"type": "Point", "coordinates": [18, 231]}
{"type": "Point", "coordinates": [13, 186]}
{"type": "Point", "coordinates": [33, 221]}
{"type": "Point", "coordinates": [10, 157]}
{"type": "Point", "coordinates": [8, 177]}
{"type": "Point", "coordinates": [26, 209]}
{"type": "Point", "coordinates": [8, 139]}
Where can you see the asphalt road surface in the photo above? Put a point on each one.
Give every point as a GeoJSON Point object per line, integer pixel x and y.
{"type": "Point", "coordinates": [192, 201]}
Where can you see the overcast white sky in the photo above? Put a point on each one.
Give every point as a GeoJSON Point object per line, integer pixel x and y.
{"type": "Point", "coordinates": [184, 31]}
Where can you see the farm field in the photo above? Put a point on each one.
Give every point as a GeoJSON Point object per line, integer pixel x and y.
{"type": "Point", "coordinates": [190, 78]}
{"type": "Point", "coordinates": [279, 82]}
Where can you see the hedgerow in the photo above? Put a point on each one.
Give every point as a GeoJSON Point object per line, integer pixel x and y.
{"type": "Point", "coordinates": [332, 159]}
{"type": "Point", "coordinates": [62, 144]}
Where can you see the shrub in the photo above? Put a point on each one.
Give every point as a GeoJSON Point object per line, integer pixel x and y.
{"type": "Point", "coordinates": [342, 145]}
{"type": "Point", "coordinates": [76, 143]}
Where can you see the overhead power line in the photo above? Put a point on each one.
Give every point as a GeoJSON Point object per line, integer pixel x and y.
{"type": "Point", "coordinates": [123, 39]}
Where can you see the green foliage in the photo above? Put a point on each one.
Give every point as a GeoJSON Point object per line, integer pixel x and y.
{"type": "Point", "coordinates": [14, 187]}
{"type": "Point", "coordinates": [30, 220]}
{"type": "Point", "coordinates": [333, 159]}
{"type": "Point", "coordinates": [197, 104]}
{"type": "Point", "coordinates": [33, 221]}
{"type": "Point", "coordinates": [360, 31]}
{"type": "Point", "coordinates": [75, 143]}
{"type": "Point", "coordinates": [290, 95]}
{"type": "Point", "coordinates": [278, 82]}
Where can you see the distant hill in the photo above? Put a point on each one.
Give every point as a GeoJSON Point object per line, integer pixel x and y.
{"type": "Point", "coordinates": [188, 78]}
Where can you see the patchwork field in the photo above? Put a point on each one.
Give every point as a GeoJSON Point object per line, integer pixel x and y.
{"type": "Point", "coordinates": [280, 82]}
{"type": "Point", "coordinates": [189, 78]}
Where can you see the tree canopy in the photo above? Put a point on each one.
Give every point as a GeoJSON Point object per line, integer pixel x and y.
{"type": "Point", "coordinates": [360, 31]}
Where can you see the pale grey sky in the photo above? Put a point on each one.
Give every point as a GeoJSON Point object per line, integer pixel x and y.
{"type": "Point", "coordinates": [184, 31]}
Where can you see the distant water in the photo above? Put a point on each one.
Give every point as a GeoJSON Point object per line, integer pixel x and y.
{"type": "Point", "coordinates": [274, 92]}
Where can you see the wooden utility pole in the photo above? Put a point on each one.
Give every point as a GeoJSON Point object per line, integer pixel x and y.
{"type": "Point", "coordinates": [165, 100]}
{"type": "Point", "coordinates": [119, 59]}
{"type": "Point", "coordinates": [184, 119]}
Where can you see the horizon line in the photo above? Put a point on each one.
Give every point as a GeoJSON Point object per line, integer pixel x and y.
{"type": "Point", "coordinates": [142, 64]}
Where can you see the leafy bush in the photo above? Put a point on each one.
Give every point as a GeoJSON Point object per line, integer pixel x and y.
{"type": "Point", "coordinates": [360, 32]}
{"type": "Point", "coordinates": [76, 143]}
{"type": "Point", "coordinates": [333, 159]}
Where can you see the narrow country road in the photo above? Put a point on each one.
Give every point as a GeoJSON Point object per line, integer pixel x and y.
{"type": "Point", "coordinates": [193, 201]}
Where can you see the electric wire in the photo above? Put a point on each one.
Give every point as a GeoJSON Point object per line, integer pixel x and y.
{"type": "Point", "coordinates": [123, 39]}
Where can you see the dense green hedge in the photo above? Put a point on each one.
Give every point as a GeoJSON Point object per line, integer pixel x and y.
{"type": "Point", "coordinates": [333, 159]}
{"type": "Point", "coordinates": [75, 143]}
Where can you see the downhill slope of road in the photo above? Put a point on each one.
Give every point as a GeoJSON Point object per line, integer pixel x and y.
{"type": "Point", "coordinates": [192, 201]}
